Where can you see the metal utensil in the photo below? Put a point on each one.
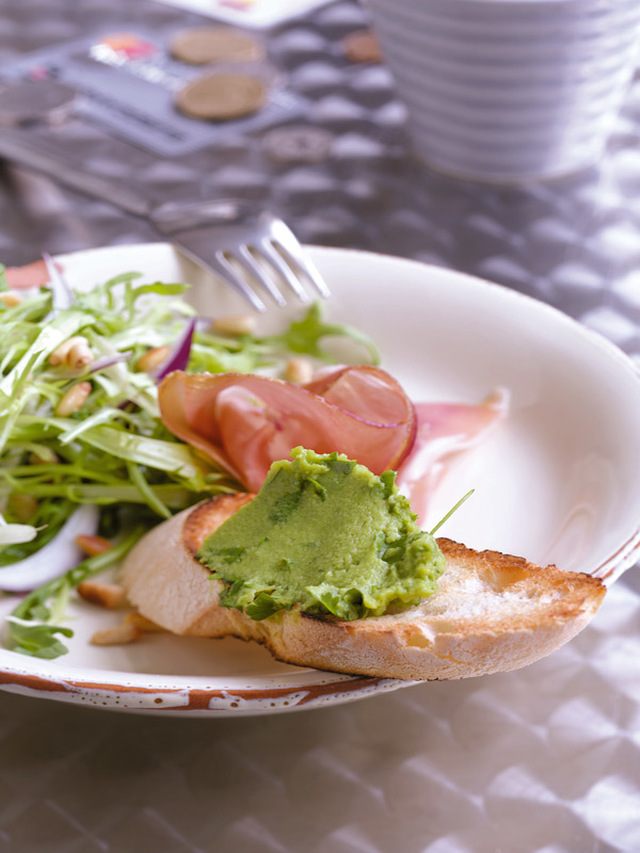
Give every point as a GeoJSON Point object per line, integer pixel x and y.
{"type": "Point", "coordinates": [248, 250]}
{"type": "Point", "coordinates": [253, 252]}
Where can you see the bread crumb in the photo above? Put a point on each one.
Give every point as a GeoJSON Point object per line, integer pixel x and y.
{"type": "Point", "coordinates": [109, 595]}
{"type": "Point", "coordinates": [118, 635]}
{"type": "Point", "coordinates": [145, 625]}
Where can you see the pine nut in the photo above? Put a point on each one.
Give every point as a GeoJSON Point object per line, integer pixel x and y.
{"type": "Point", "coordinates": [10, 298]}
{"type": "Point", "coordinates": [118, 635]}
{"type": "Point", "coordinates": [79, 355]}
{"type": "Point", "coordinates": [73, 400]}
{"type": "Point", "coordinates": [152, 359]}
{"type": "Point", "coordinates": [234, 325]}
{"type": "Point", "coordinates": [91, 544]}
{"type": "Point", "coordinates": [298, 371]}
{"type": "Point", "coordinates": [61, 352]}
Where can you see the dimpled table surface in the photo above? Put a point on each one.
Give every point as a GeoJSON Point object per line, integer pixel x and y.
{"type": "Point", "coordinates": [544, 759]}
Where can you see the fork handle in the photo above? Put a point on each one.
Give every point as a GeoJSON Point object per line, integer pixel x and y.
{"type": "Point", "coordinates": [171, 218]}
{"type": "Point", "coordinates": [19, 148]}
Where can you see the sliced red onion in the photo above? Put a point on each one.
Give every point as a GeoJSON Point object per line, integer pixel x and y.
{"type": "Point", "coordinates": [178, 358]}
{"type": "Point", "coordinates": [100, 364]}
{"type": "Point", "coordinates": [54, 558]}
{"type": "Point", "coordinates": [107, 361]}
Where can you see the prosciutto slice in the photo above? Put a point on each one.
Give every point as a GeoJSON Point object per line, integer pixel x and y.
{"type": "Point", "coordinates": [443, 431]}
{"type": "Point", "coordinates": [29, 275]}
{"type": "Point", "coordinates": [244, 422]}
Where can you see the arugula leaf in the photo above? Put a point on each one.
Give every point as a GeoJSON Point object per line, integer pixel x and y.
{"type": "Point", "coordinates": [263, 606]}
{"type": "Point", "coordinates": [257, 606]}
{"type": "Point", "coordinates": [32, 627]}
{"type": "Point", "coordinates": [345, 604]}
{"type": "Point", "coordinates": [285, 505]}
{"type": "Point", "coordinates": [304, 336]}
{"type": "Point", "coordinates": [231, 555]}
{"type": "Point", "coordinates": [37, 639]}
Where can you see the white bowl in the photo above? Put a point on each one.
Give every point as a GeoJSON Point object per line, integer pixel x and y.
{"type": "Point", "coordinates": [557, 481]}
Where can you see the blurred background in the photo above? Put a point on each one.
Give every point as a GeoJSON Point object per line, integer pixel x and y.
{"type": "Point", "coordinates": [546, 759]}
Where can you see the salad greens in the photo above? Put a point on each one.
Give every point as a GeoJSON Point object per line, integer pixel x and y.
{"type": "Point", "coordinates": [33, 623]}
{"type": "Point", "coordinates": [113, 449]}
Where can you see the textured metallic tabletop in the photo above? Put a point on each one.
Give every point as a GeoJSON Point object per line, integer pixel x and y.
{"type": "Point", "coordinates": [544, 759]}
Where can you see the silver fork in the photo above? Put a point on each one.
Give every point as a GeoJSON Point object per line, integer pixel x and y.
{"type": "Point", "coordinates": [244, 248]}
{"type": "Point", "coordinates": [250, 251]}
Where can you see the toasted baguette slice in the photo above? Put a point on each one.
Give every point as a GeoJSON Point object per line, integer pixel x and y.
{"type": "Point", "coordinates": [492, 612]}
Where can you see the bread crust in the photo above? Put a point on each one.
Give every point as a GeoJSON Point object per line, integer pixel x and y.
{"type": "Point", "coordinates": [493, 612]}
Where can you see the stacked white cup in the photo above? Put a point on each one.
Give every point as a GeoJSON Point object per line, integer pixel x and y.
{"type": "Point", "coordinates": [509, 90]}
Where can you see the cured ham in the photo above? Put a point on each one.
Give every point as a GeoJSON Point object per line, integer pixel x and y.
{"type": "Point", "coordinates": [443, 431]}
{"type": "Point", "coordinates": [244, 422]}
{"type": "Point", "coordinates": [30, 275]}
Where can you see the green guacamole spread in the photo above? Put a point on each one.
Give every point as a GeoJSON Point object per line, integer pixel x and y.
{"type": "Point", "coordinates": [327, 534]}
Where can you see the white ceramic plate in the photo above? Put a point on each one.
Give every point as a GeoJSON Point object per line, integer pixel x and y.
{"type": "Point", "coordinates": [556, 482]}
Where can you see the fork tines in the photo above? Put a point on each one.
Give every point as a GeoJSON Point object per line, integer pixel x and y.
{"type": "Point", "coordinates": [255, 254]}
